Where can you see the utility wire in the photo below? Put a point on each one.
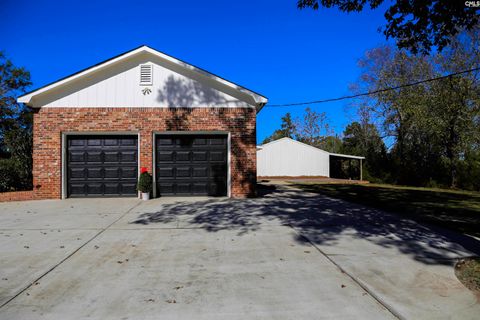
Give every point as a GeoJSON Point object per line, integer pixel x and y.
{"type": "Point", "coordinates": [372, 92]}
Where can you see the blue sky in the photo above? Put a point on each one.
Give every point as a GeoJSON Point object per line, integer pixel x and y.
{"type": "Point", "coordinates": [271, 47]}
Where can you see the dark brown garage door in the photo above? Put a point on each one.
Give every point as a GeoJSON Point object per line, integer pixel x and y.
{"type": "Point", "coordinates": [190, 165]}
{"type": "Point", "coordinates": [102, 166]}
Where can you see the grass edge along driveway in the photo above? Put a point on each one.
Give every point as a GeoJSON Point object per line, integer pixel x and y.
{"type": "Point", "coordinates": [452, 209]}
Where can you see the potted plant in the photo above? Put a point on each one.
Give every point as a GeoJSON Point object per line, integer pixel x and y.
{"type": "Point", "coordinates": [145, 183]}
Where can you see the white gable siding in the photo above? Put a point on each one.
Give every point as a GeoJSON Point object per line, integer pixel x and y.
{"type": "Point", "coordinates": [119, 86]}
{"type": "Point", "coordinates": [286, 157]}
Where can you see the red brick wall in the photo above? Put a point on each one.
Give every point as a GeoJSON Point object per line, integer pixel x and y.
{"type": "Point", "coordinates": [49, 123]}
{"type": "Point", "coordinates": [16, 196]}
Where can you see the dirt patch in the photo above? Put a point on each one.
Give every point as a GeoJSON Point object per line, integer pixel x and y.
{"type": "Point", "coordinates": [468, 272]}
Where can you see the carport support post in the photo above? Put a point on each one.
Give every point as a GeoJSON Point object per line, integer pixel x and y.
{"type": "Point", "coordinates": [361, 173]}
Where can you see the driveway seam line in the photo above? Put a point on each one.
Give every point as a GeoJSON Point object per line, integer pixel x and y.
{"type": "Point", "coordinates": [67, 257]}
{"type": "Point", "coordinates": [354, 279]}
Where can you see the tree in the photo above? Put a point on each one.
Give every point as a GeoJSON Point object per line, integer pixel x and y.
{"type": "Point", "coordinates": [415, 25]}
{"type": "Point", "coordinates": [363, 139]}
{"type": "Point", "coordinates": [402, 114]}
{"type": "Point", "coordinates": [469, 170]}
{"type": "Point", "coordinates": [458, 100]}
{"type": "Point", "coordinates": [287, 129]}
{"type": "Point", "coordinates": [434, 125]}
{"type": "Point", "coordinates": [15, 128]}
{"type": "Point", "coordinates": [313, 128]}
{"type": "Point", "coordinates": [332, 143]}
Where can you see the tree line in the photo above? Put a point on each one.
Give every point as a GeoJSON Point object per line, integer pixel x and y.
{"type": "Point", "coordinates": [432, 129]}
{"type": "Point", "coordinates": [16, 122]}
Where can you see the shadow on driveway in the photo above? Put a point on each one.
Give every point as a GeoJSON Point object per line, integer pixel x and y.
{"type": "Point", "coordinates": [323, 219]}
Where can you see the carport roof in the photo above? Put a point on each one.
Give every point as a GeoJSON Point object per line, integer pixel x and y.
{"type": "Point", "coordinates": [345, 156]}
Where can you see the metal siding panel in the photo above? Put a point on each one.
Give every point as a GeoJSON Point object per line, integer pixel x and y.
{"type": "Point", "coordinates": [290, 158]}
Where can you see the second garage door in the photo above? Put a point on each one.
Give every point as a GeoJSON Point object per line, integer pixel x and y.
{"type": "Point", "coordinates": [191, 165]}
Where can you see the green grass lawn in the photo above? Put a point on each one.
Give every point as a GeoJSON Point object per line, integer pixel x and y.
{"type": "Point", "coordinates": [457, 210]}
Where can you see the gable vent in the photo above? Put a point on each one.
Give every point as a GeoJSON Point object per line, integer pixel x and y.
{"type": "Point", "coordinates": [146, 74]}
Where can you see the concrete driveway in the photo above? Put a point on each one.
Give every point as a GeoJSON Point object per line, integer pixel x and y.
{"type": "Point", "coordinates": [285, 255]}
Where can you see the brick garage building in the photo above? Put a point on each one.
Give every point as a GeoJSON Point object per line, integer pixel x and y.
{"type": "Point", "coordinates": [194, 131]}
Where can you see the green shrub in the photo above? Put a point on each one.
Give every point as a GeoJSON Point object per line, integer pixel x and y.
{"type": "Point", "coordinates": [9, 177]}
{"type": "Point", "coordinates": [145, 182]}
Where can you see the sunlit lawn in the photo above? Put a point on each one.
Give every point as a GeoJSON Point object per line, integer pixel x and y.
{"type": "Point", "coordinates": [457, 210]}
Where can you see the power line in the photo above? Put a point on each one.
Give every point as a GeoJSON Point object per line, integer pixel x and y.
{"type": "Point", "coordinates": [373, 92]}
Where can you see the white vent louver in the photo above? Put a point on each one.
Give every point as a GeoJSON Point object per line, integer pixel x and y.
{"type": "Point", "coordinates": [146, 75]}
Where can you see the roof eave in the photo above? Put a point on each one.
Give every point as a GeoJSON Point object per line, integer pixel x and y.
{"type": "Point", "coordinates": [24, 99]}
{"type": "Point", "coordinates": [259, 100]}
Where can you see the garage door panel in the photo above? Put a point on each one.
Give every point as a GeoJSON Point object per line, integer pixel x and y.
{"type": "Point", "coordinates": [182, 172]}
{"type": "Point", "coordinates": [111, 156]}
{"type": "Point", "coordinates": [128, 156]}
{"type": "Point", "coordinates": [77, 156]}
{"type": "Point", "coordinates": [201, 172]}
{"type": "Point", "coordinates": [112, 173]}
{"type": "Point", "coordinates": [166, 172]}
{"type": "Point", "coordinates": [217, 173]}
{"type": "Point", "coordinates": [77, 143]}
{"type": "Point", "coordinates": [95, 173]}
{"type": "Point", "coordinates": [200, 141]}
{"type": "Point", "coordinates": [200, 188]}
{"type": "Point", "coordinates": [213, 189]}
{"type": "Point", "coordinates": [102, 165]}
{"type": "Point", "coordinates": [130, 173]}
{"type": "Point", "coordinates": [94, 142]}
{"type": "Point", "coordinates": [128, 188]}
{"type": "Point", "coordinates": [94, 188]}
{"type": "Point", "coordinates": [217, 141]}
{"type": "Point", "coordinates": [165, 156]}
{"type": "Point", "coordinates": [182, 156]}
{"type": "Point", "coordinates": [112, 188]}
{"type": "Point", "coordinates": [94, 156]}
{"type": "Point", "coordinates": [199, 156]}
{"type": "Point", "coordinates": [183, 188]}
{"type": "Point", "coordinates": [78, 188]}
{"type": "Point", "coordinates": [128, 142]}
{"type": "Point", "coordinates": [77, 173]}
{"type": "Point", "coordinates": [111, 142]}
{"type": "Point", "coordinates": [165, 188]}
{"type": "Point", "coordinates": [217, 156]}
{"type": "Point", "coordinates": [165, 141]}
{"type": "Point", "coordinates": [191, 164]}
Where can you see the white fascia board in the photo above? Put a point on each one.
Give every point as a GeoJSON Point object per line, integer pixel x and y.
{"type": "Point", "coordinates": [259, 100]}
{"type": "Point", "coordinates": [294, 141]}
{"type": "Point", "coordinates": [345, 156]}
{"type": "Point", "coordinates": [274, 141]}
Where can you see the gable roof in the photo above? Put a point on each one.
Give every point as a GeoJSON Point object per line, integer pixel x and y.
{"type": "Point", "coordinates": [287, 139]}
{"type": "Point", "coordinates": [258, 99]}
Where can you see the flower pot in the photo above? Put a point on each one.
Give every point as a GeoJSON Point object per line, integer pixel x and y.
{"type": "Point", "coordinates": [146, 195]}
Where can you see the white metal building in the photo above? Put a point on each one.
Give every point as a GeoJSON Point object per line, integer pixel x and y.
{"type": "Point", "coordinates": [291, 158]}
